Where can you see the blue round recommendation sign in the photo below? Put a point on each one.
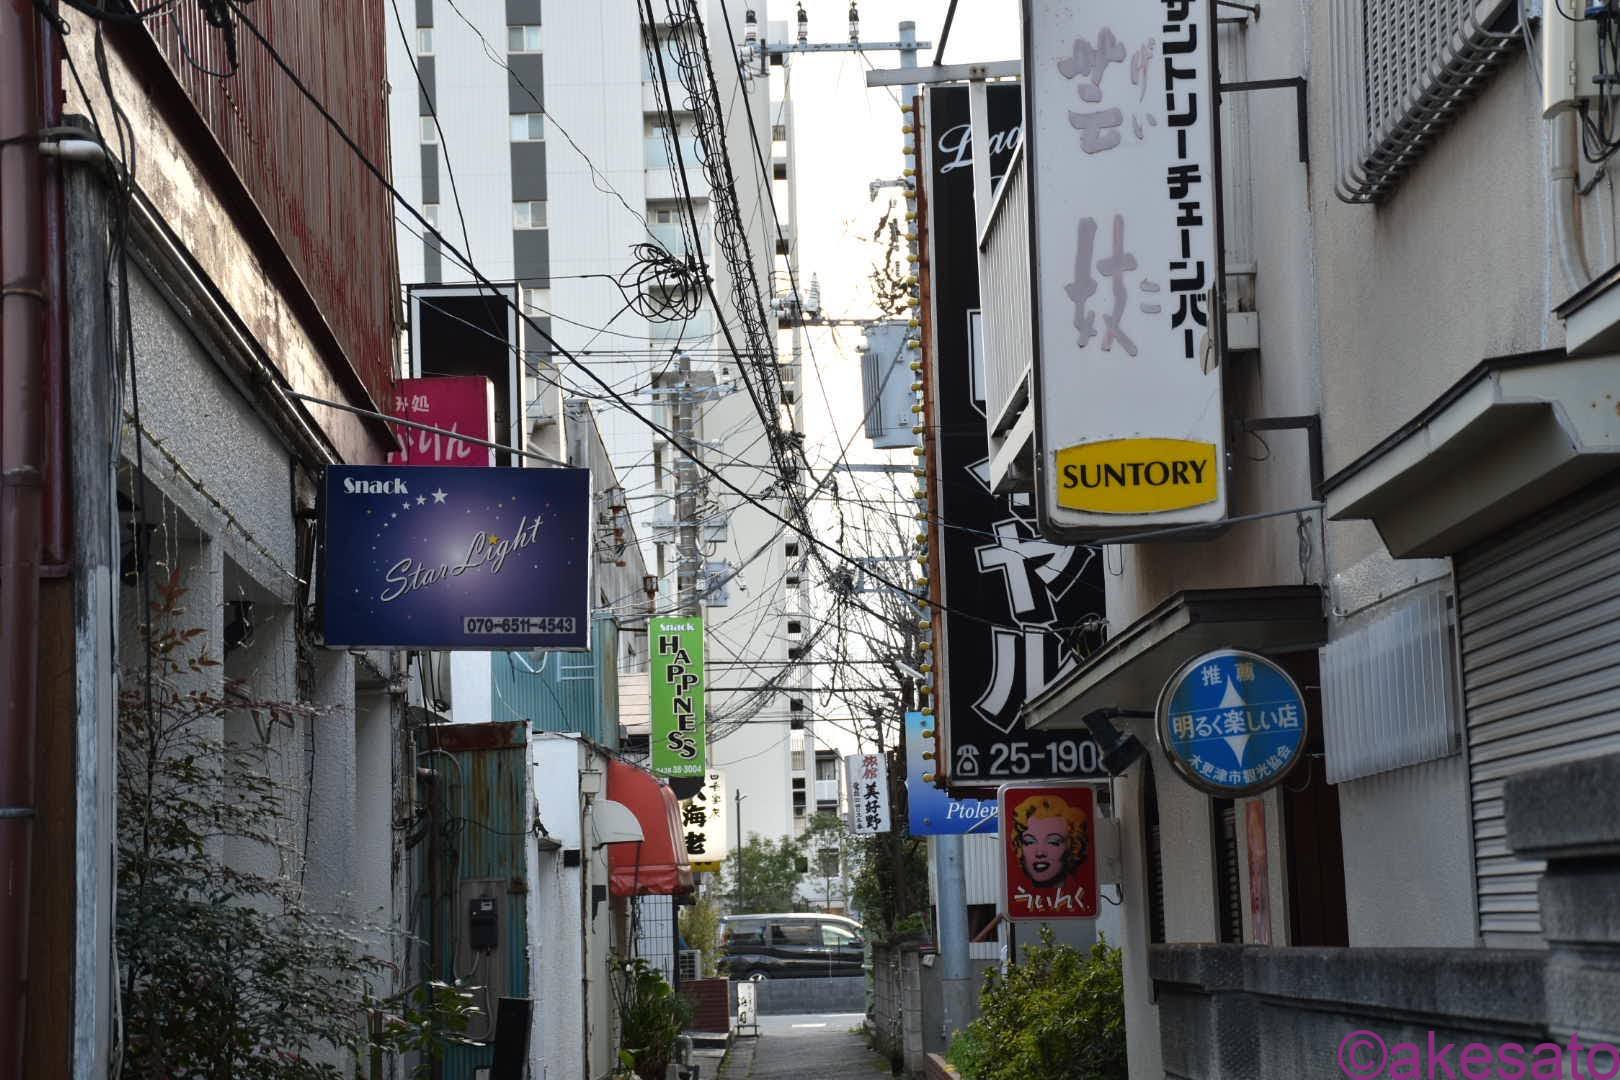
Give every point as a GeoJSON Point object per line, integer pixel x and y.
{"type": "Point", "coordinates": [1232, 723]}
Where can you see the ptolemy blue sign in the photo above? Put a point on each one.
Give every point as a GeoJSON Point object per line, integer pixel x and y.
{"type": "Point", "coordinates": [1232, 723]}
{"type": "Point", "coordinates": [931, 811]}
{"type": "Point", "coordinates": [455, 558]}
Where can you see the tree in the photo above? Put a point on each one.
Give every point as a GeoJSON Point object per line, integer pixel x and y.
{"type": "Point", "coordinates": [225, 973]}
{"type": "Point", "coordinates": [700, 929]}
{"type": "Point", "coordinates": [764, 875]}
{"type": "Point", "coordinates": [832, 853]}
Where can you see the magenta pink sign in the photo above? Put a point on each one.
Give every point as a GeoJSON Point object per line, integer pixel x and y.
{"type": "Point", "coordinates": [463, 404]}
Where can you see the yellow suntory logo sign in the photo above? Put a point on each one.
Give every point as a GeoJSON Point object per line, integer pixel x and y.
{"type": "Point", "coordinates": [1137, 476]}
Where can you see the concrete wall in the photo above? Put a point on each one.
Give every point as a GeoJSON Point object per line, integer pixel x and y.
{"type": "Point", "coordinates": [555, 907]}
{"type": "Point", "coordinates": [221, 488]}
{"type": "Point", "coordinates": [787, 997]}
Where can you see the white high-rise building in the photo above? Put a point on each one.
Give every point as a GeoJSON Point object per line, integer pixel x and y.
{"type": "Point", "coordinates": [549, 163]}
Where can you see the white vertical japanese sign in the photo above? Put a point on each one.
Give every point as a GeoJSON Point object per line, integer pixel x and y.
{"type": "Point", "coordinates": [703, 823]}
{"type": "Point", "coordinates": [1123, 169]}
{"type": "Point", "coordinates": [868, 778]}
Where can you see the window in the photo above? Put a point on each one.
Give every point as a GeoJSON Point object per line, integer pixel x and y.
{"type": "Point", "coordinates": [537, 301]}
{"type": "Point", "coordinates": [796, 724]}
{"type": "Point", "coordinates": [779, 170]}
{"type": "Point", "coordinates": [826, 768]}
{"type": "Point", "coordinates": [431, 212]}
{"type": "Point", "coordinates": [795, 933]}
{"type": "Point", "coordinates": [793, 626]}
{"type": "Point", "coordinates": [795, 705]}
{"type": "Point", "coordinates": [664, 217]}
{"type": "Point", "coordinates": [430, 130]}
{"type": "Point", "coordinates": [1406, 71]}
{"type": "Point", "coordinates": [521, 39]}
{"type": "Point", "coordinates": [528, 127]}
{"type": "Point", "coordinates": [792, 551]}
{"type": "Point", "coordinates": [751, 932]}
{"type": "Point", "coordinates": [836, 936]}
{"type": "Point", "coordinates": [779, 133]}
{"type": "Point", "coordinates": [529, 215]}
{"type": "Point", "coordinates": [424, 41]}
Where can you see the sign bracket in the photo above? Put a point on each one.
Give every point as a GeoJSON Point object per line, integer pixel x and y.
{"type": "Point", "coordinates": [1311, 425]}
{"type": "Point", "coordinates": [1298, 84]}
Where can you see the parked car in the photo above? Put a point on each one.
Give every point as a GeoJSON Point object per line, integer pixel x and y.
{"type": "Point", "coordinates": [790, 946]}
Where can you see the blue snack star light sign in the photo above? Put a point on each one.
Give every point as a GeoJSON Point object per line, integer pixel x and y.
{"type": "Point", "coordinates": [455, 558]}
{"type": "Point", "coordinates": [1232, 723]}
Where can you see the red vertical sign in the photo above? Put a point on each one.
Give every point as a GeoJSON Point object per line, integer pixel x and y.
{"type": "Point", "coordinates": [1254, 821]}
{"type": "Point", "coordinates": [1049, 840]}
{"type": "Point", "coordinates": [461, 404]}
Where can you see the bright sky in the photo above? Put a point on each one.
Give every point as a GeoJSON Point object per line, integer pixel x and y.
{"type": "Point", "coordinates": [848, 136]}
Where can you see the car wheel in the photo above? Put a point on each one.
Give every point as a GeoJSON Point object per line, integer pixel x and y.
{"type": "Point", "coordinates": [758, 975]}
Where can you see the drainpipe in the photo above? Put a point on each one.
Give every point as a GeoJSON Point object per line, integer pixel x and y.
{"type": "Point", "coordinates": [22, 362]}
{"type": "Point", "coordinates": [1561, 181]}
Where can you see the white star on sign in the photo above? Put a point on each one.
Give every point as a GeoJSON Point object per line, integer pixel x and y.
{"type": "Point", "coordinates": [407, 504]}
{"type": "Point", "coordinates": [438, 496]}
{"type": "Point", "coordinates": [420, 499]}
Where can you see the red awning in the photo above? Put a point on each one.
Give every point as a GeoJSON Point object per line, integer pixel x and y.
{"type": "Point", "coordinates": [657, 864]}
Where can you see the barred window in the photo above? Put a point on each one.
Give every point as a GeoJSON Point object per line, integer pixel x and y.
{"type": "Point", "coordinates": [1402, 70]}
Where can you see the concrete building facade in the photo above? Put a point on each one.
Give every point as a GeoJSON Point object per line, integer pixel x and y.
{"type": "Point", "coordinates": [1420, 286]}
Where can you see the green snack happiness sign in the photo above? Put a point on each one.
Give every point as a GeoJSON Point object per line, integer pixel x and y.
{"type": "Point", "coordinates": [678, 739]}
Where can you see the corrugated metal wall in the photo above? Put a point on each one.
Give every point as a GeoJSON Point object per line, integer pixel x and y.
{"type": "Point", "coordinates": [1390, 688]}
{"type": "Point", "coordinates": [329, 214]}
{"type": "Point", "coordinates": [486, 820]}
{"type": "Point", "coordinates": [570, 692]}
{"type": "Point", "coordinates": [1540, 617]}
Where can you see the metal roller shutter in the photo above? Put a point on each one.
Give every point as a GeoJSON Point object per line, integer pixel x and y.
{"type": "Point", "coordinates": [1540, 617]}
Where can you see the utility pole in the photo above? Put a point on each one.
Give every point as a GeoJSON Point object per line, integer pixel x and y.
{"type": "Point", "coordinates": [689, 559]}
{"type": "Point", "coordinates": [737, 796]}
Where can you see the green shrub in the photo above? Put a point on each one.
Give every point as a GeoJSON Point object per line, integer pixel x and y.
{"type": "Point", "coordinates": [651, 1017]}
{"type": "Point", "coordinates": [1058, 1014]}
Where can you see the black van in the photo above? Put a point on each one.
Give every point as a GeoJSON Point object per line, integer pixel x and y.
{"type": "Point", "coordinates": [790, 946]}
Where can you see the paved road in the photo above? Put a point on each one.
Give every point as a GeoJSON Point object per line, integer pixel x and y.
{"type": "Point", "coordinates": [820, 1046]}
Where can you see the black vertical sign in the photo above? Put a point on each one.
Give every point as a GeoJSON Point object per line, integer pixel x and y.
{"type": "Point", "coordinates": [1007, 590]}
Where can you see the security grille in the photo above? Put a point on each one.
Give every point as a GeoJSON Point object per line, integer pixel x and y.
{"type": "Point", "coordinates": [1402, 70]}
{"type": "Point", "coordinates": [1389, 688]}
{"type": "Point", "coordinates": [1540, 617]}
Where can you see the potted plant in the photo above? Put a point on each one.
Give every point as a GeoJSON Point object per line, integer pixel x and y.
{"type": "Point", "coordinates": [651, 1018]}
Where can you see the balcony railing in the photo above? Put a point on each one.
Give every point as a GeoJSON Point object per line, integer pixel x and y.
{"type": "Point", "coordinates": [826, 792]}
{"type": "Point", "coordinates": [1004, 296]}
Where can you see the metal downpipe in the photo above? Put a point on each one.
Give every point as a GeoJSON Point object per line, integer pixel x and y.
{"type": "Point", "coordinates": [1561, 190]}
{"type": "Point", "coordinates": [23, 308]}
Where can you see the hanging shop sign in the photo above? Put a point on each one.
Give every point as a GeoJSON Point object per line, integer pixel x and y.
{"type": "Point", "coordinates": [703, 824]}
{"type": "Point", "coordinates": [1232, 723]}
{"type": "Point", "coordinates": [678, 740]}
{"type": "Point", "coordinates": [1008, 597]}
{"type": "Point", "coordinates": [868, 779]}
{"type": "Point", "coordinates": [455, 558]}
{"type": "Point", "coordinates": [457, 405]}
{"type": "Point", "coordinates": [1049, 842]}
{"type": "Point", "coordinates": [931, 811]}
{"type": "Point", "coordinates": [1124, 210]}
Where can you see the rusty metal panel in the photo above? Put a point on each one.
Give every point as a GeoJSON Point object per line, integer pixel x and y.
{"type": "Point", "coordinates": [331, 216]}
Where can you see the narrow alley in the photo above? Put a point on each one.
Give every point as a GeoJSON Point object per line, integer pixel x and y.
{"type": "Point", "coordinates": [819, 1046]}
